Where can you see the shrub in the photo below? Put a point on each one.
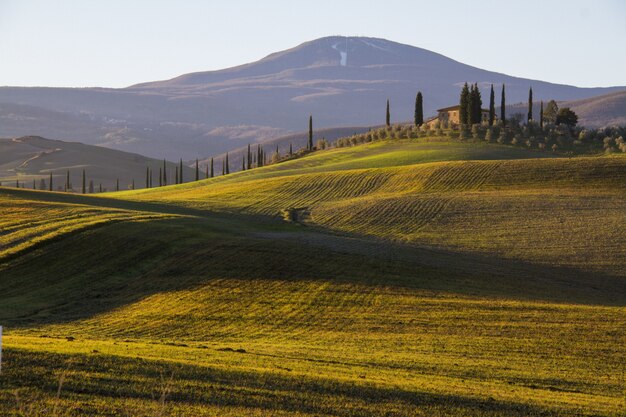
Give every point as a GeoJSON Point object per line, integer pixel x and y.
{"type": "Point", "coordinates": [489, 135]}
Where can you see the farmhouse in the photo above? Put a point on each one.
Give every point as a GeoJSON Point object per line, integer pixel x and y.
{"type": "Point", "coordinates": [451, 115]}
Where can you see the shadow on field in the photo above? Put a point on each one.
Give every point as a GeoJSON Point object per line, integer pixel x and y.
{"type": "Point", "coordinates": [111, 266]}
{"type": "Point", "coordinates": [108, 381]}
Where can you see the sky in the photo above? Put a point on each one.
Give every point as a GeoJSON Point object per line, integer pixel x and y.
{"type": "Point", "coordinates": [117, 43]}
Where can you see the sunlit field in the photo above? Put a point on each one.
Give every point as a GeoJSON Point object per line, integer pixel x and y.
{"type": "Point", "coordinates": [398, 278]}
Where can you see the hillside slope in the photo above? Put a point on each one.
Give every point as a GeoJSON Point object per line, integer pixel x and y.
{"type": "Point", "coordinates": [413, 278]}
{"type": "Point", "coordinates": [34, 158]}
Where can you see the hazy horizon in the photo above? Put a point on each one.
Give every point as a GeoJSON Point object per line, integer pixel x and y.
{"type": "Point", "coordinates": [115, 44]}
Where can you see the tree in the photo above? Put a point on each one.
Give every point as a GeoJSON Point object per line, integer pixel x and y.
{"type": "Point", "coordinates": [50, 182]}
{"type": "Point", "coordinates": [388, 115]}
{"type": "Point", "coordinates": [551, 112]}
{"type": "Point", "coordinates": [474, 105]}
{"type": "Point", "coordinates": [34, 185]}
{"type": "Point", "coordinates": [249, 157]}
{"type": "Point", "coordinates": [310, 142]}
{"type": "Point", "coordinates": [67, 181]}
{"type": "Point", "coordinates": [541, 115]}
{"type": "Point", "coordinates": [100, 188]}
{"type": "Point", "coordinates": [290, 149]}
{"type": "Point", "coordinates": [243, 163]}
{"type": "Point", "coordinates": [530, 105]}
{"type": "Point", "coordinates": [227, 165]}
{"type": "Point", "coordinates": [206, 174]}
{"type": "Point", "coordinates": [492, 106]}
{"type": "Point", "coordinates": [419, 109]}
{"type": "Point", "coordinates": [160, 177]}
{"type": "Point", "coordinates": [91, 187]}
{"type": "Point", "coordinates": [464, 104]}
{"type": "Point", "coordinates": [567, 117]}
{"type": "Point", "coordinates": [176, 177]}
{"type": "Point", "coordinates": [212, 173]}
{"type": "Point", "coordinates": [503, 107]}
{"type": "Point", "coordinates": [181, 171]}
{"type": "Point", "coordinates": [84, 183]}
{"type": "Point", "coordinates": [164, 173]}
{"type": "Point", "coordinates": [197, 170]}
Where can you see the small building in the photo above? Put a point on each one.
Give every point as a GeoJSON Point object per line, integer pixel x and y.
{"type": "Point", "coordinates": [452, 115]}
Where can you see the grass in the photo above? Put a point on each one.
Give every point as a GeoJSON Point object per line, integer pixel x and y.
{"type": "Point", "coordinates": [422, 286]}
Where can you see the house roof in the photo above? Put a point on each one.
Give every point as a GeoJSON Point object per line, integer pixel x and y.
{"type": "Point", "coordinates": [457, 107]}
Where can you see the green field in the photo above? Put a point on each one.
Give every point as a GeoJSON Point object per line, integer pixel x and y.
{"type": "Point", "coordinates": [415, 277]}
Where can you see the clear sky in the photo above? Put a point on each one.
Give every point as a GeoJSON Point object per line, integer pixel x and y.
{"type": "Point", "coordinates": [116, 43]}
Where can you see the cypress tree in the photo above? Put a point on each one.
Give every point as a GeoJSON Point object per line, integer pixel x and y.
{"type": "Point", "coordinates": [310, 142]}
{"type": "Point", "coordinates": [243, 163]}
{"type": "Point", "coordinates": [388, 115]}
{"type": "Point", "coordinates": [67, 181]}
{"type": "Point", "coordinates": [17, 183]}
{"type": "Point", "coordinates": [206, 174]}
{"type": "Point", "coordinates": [133, 185]}
{"type": "Point", "coordinates": [50, 185]}
{"type": "Point", "coordinates": [84, 183]}
{"type": "Point", "coordinates": [212, 174]}
{"type": "Point", "coordinates": [177, 179]}
{"type": "Point", "coordinates": [90, 186]}
{"type": "Point", "coordinates": [223, 166]}
{"type": "Point", "coordinates": [249, 157]}
{"type": "Point", "coordinates": [181, 171]}
{"type": "Point", "coordinates": [478, 105]}
{"type": "Point", "coordinates": [160, 177]}
{"type": "Point", "coordinates": [150, 177]}
{"type": "Point", "coordinates": [530, 105]}
{"type": "Point", "coordinates": [164, 173]}
{"type": "Point", "coordinates": [471, 106]}
{"type": "Point", "coordinates": [503, 107]}
{"type": "Point", "coordinates": [227, 165]}
{"type": "Point", "coordinates": [290, 150]}
{"type": "Point", "coordinates": [34, 185]}
{"type": "Point", "coordinates": [100, 187]}
{"type": "Point", "coordinates": [541, 115]}
{"type": "Point", "coordinates": [197, 170]}
{"type": "Point", "coordinates": [492, 107]}
{"type": "Point", "coordinates": [419, 109]}
{"type": "Point", "coordinates": [463, 104]}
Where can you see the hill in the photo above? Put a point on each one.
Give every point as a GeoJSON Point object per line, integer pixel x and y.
{"type": "Point", "coordinates": [34, 158]}
{"type": "Point", "coordinates": [600, 111]}
{"type": "Point", "coordinates": [295, 140]}
{"type": "Point", "coordinates": [593, 112]}
{"type": "Point", "coordinates": [412, 277]}
{"type": "Point", "coordinates": [341, 81]}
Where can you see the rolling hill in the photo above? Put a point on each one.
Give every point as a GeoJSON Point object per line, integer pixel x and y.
{"type": "Point", "coordinates": [409, 277]}
{"type": "Point", "coordinates": [33, 158]}
{"type": "Point", "coordinates": [594, 112]}
{"type": "Point", "coordinates": [342, 81]}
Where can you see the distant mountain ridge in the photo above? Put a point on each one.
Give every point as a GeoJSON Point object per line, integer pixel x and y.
{"type": "Point", "coordinates": [341, 81]}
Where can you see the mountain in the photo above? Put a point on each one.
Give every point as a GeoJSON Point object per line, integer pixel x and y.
{"type": "Point", "coordinates": [594, 112]}
{"type": "Point", "coordinates": [33, 158]}
{"type": "Point", "coordinates": [599, 111]}
{"type": "Point", "coordinates": [342, 81]}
